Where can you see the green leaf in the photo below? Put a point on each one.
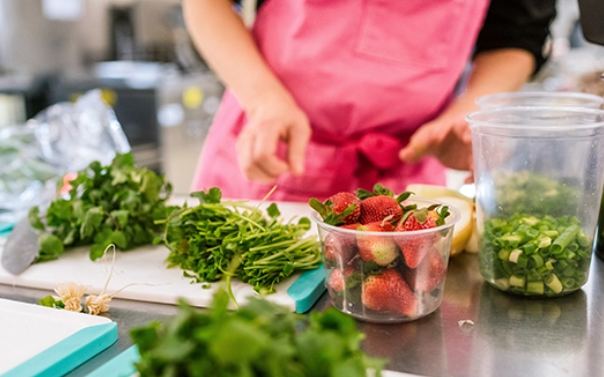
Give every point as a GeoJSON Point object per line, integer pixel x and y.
{"type": "Point", "coordinates": [97, 251]}
{"type": "Point", "coordinates": [403, 196]}
{"type": "Point", "coordinates": [121, 216]}
{"type": "Point", "coordinates": [92, 221]}
{"type": "Point", "coordinates": [378, 189]}
{"type": "Point", "coordinates": [119, 239]}
{"type": "Point", "coordinates": [119, 176]}
{"type": "Point", "coordinates": [146, 337]}
{"type": "Point", "coordinates": [70, 237]}
{"type": "Point", "coordinates": [364, 194]}
{"type": "Point", "coordinates": [273, 211]}
{"type": "Point", "coordinates": [48, 301]}
{"type": "Point", "coordinates": [226, 345]}
{"type": "Point", "coordinates": [50, 245]}
{"type": "Point", "coordinates": [421, 215]}
{"type": "Point", "coordinates": [34, 219]}
{"type": "Point", "coordinates": [212, 196]}
{"type": "Point", "coordinates": [443, 213]}
{"type": "Point", "coordinates": [121, 161]}
{"type": "Point", "coordinates": [318, 206]}
{"type": "Point", "coordinates": [151, 186]}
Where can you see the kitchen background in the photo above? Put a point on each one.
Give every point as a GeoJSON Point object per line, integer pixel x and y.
{"type": "Point", "coordinates": [139, 54]}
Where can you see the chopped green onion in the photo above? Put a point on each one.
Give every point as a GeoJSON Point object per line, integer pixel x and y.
{"type": "Point", "coordinates": [502, 283]}
{"type": "Point", "coordinates": [544, 242]}
{"type": "Point", "coordinates": [553, 283]}
{"type": "Point", "coordinates": [535, 287]}
{"type": "Point", "coordinates": [537, 259]}
{"type": "Point", "coordinates": [514, 255]}
{"type": "Point", "coordinates": [517, 281]}
{"type": "Point", "coordinates": [504, 254]}
{"type": "Point", "coordinates": [532, 220]}
{"type": "Point", "coordinates": [549, 264]}
{"type": "Point", "coordinates": [551, 233]}
{"type": "Point", "coordinates": [565, 238]}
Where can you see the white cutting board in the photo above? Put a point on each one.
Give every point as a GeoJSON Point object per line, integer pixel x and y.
{"type": "Point", "coordinates": [146, 267]}
{"type": "Point", "coordinates": [28, 330]}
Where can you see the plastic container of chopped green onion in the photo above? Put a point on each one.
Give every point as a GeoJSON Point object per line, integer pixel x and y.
{"type": "Point", "coordinates": [539, 175]}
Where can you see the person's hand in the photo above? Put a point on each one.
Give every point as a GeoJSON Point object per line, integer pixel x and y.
{"type": "Point", "coordinates": [447, 138]}
{"type": "Point", "coordinates": [276, 119]}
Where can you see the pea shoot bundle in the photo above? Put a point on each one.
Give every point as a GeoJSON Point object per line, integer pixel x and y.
{"type": "Point", "coordinates": [223, 239]}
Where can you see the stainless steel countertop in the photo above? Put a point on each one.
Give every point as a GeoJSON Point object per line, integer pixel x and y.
{"type": "Point", "coordinates": [511, 336]}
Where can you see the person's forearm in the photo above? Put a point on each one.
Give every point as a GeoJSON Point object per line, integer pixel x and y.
{"type": "Point", "coordinates": [494, 71]}
{"type": "Point", "coordinates": [227, 45]}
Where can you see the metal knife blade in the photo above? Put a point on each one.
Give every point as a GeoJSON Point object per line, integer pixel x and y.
{"type": "Point", "coordinates": [21, 248]}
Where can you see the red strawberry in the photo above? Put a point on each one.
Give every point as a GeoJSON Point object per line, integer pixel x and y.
{"type": "Point", "coordinates": [388, 292]}
{"type": "Point", "coordinates": [378, 249]}
{"type": "Point", "coordinates": [377, 208]}
{"type": "Point", "coordinates": [340, 247]}
{"type": "Point", "coordinates": [415, 247]}
{"type": "Point", "coordinates": [418, 220]}
{"type": "Point", "coordinates": [343, 200]}
{"type": "Point", "coordinates": [353, 226]}
{"type": "Point", "coordinates": [429, 274]}
{"type": "Point", "coordinates": [341, 208]}
{"type": "Point", "coordinates": [337, 280]}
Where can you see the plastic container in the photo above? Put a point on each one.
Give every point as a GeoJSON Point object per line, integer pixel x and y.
{"type": "Point", "coordinates": [539, 174]}
{"type": "Point", "coordinates": [563, 99]}
{"type": "Point", "coordinates": [402, 288]}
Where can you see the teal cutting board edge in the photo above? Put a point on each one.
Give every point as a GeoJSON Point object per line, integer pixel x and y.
{"type": "Point", "coordinates": [307, 289]}
{"type": "Point", "coordinates": [69, 353]}
{"type": "Point", "coordinates": [120, 366]}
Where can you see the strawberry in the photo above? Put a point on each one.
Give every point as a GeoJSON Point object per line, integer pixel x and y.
{"type": "Point", "coordinates": [415, 247]}
{"type": "Point", "coordinates": [377, 208]}
{"type": "Point", "coordinates": [378, 249]}
{"type": "Point", "coordinates": [353, 226]}
{"type": "Point", "coordinates": [341, 201]}
{"type": "Point", "coordinates": [337, 280]}
{"type": "Point", "coordinates": [338, 209]}
{"type": "Point", "coordinates": [388, 292]}
{"type": "Point", "coordinates": [429, 274]}
{"type": "Point", "coordinates": [340, 247]}
{"type": "Point", "coordinates": [380, 203]}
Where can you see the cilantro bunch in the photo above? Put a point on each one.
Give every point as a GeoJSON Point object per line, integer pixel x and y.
{"type": "Point", "coordinates": [222, 239]}
{"type": "Point", "coordinates": [260, 339]}
{"type": "Point", "coordinates": [115, 204]}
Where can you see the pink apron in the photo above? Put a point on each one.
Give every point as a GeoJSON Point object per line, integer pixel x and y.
{"type": "Point", "coordinates": [368, 74]}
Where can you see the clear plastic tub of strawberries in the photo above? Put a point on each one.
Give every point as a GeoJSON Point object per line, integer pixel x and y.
{"type": "Point", "coordinates": [385, 255]}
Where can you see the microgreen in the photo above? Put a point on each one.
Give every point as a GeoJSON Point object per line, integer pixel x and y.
{"type": "Point", "coordinates": [205, 240]}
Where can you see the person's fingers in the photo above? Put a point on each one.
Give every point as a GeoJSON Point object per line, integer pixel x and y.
{"type": "Point", "coordinates": [420, 144]}
{"type": "Point", "coordinates": [264, 153]}
{"type": "Point", "coordinates": [298, 138]}
{"type": "Point", "coordinates": [245, 146]}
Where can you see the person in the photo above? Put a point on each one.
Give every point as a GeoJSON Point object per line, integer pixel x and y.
{"type": "Point", "coordinates": [325, 96]}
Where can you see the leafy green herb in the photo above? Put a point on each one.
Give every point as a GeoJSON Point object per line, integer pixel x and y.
{"type": "Point", "coordinates": [533, 255]}
{"type": "Point", "coordinates": [260, 339]}
{"type": "Point", "coordinates": [51, 302]}
{"type": "Point", "coordinates": [216, 240]}
{"type": "Point", "coordinates": [107, 204]}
